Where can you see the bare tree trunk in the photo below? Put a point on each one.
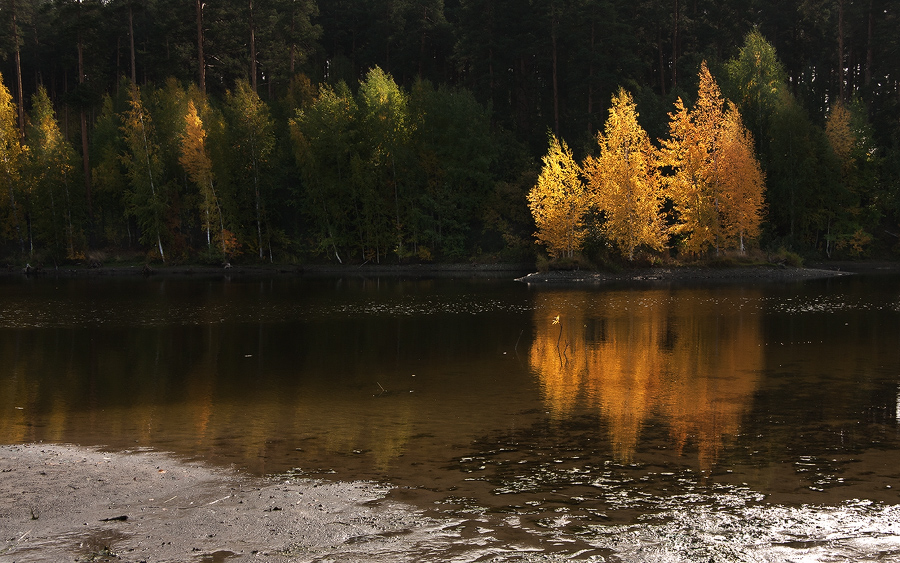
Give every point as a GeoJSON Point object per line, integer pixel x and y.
{"type": "Point", "coordinates": [253, 60]}
{"type": "Point", "coordinates": [840, 50]}
{"type": "Point", "coordinates": [555, 87]}
{"type": "Point", "coordinates": [662, 65]}
{"type": "Point", "coordinates": [19, 95]}
{"type": "Point", "coordinates": [201, 63]}
{"type": "Point", "coordinates": [590, 100]}
{"type": "Point", "coordinates": [85, 146]}
{"type": "Point", "coordinates": [555, 80]}
{"type": "Point", "coordinates": [131, 40]}
{"type": "Point", "coordinates": [675, 49]}
{"type": "Point", "coordinates": [870, 41]}
{"type": "Point", "coordinates": [293, 57]}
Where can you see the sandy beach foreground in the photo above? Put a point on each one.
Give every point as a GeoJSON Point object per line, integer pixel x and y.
{"type": "Point", "coordinates": [67, 503]}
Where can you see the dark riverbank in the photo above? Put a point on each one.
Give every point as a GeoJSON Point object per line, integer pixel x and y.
{"type": "Point", "coordinates": [684, 274]}
{"type": "Point", "coordinates": [522, 271]}
{"type": "Point", "coordinates": [272, 270]}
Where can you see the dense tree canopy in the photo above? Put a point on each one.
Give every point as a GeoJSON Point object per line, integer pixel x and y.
{"type": "Point", "coordinates": [392, 130]}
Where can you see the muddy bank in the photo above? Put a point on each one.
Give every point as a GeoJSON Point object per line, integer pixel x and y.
{"type": "Point", "coordinates": [66, 503]}
{"type": "Point", "coordinates": [682, 274]}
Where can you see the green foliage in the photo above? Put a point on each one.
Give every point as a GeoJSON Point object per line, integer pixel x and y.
{"type": "Point", "coordinates": [756, 80]}
{"type": "Point", "coordinates": [323, 136]}
{"type": "Point", "coordinates": [251, 136]}
{"type": "Point", "coordinates": [433, 157]}
{"type": "Point", "coordinates": [109, 175]}
{"type": "Point", "coordinates": [55, 204]}
{"type": "Point", "coordinates": [455, 153]}
{"type": "Point", "coordinates": [146, 195]}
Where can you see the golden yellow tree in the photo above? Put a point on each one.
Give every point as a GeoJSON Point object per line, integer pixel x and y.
{"type": "Point", "coordinates": [690, 153]}
{"type": "Point", "coordinates": [623, 181]}
{"type": "Point", "coordinates": [11, 156]}
{"type": "Point", "coordinates": [196, 162]}
{"type": "Point", "coordinates": [840, 133]}
{"type": "Point", "coordinates": [558, 202]}
{"type": "Point", "coordinates": [716, 184]}
{"type": "Point", "coordinates": [740, 180]}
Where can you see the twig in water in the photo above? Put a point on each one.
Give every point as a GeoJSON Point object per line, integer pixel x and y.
{"type": "Point", "coordinates": [383, 390]}
{"type": "Point", "coordinates": [516, 349]}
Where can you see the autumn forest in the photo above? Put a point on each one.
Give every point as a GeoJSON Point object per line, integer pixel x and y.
{"type": "Point", "coordinates": [407, 131]}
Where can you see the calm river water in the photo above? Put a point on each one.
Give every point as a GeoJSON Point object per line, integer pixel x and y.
{"type": "Point", "coordinates": [669, 422]}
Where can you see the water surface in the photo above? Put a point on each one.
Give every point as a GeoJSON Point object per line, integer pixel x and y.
{"type": "Point", "coordinates": [657, 422]}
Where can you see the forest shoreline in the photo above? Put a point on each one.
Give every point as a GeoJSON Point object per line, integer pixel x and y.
{"type": "Point", "coordinates": [524, 272]}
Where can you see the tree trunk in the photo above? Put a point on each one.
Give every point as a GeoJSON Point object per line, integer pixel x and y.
{"type": "Point", "coordinates": [131, 41]}
{"type": "Point", "coordinates": [422, 42]}
{"type": "Point", "coordinates": [662, 65]}
{"type": "Point", "coordinates": [590, 100]}
{"type": "Point", "coordinates": [253, 64]}
{"type": "Point", "coordinates": [293, 55]}
{"type": "Point", "coordinates": [201, 63]}
{"type": "Point", "coordinates": [870, 41]}
{"type": "Point", "coordinates": [19, 94]}
{"type": "Point", "coordinates": [85, 145]}
{"type": "Point", "coordinates": [675, 48]}
{"type": "Point", "coordinates": [840, 51]}
{"type": "Point", "coordinates": [555, 77]}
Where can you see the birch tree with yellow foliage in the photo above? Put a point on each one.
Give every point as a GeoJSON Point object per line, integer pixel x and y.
{"type": "Point", "coordinates": [716, 183]}
{"type": "Point", "coordinates": [741, 182]}
{"type": "Point", "coordinates": [12, 155]}
{"type": "Point", "coordinates": [197, 163]}
{"type": "Point", "coordinates": [558, 202]}
{"type": "Point", "coordinates": [623, 181]}
{"type": "Point", "coordinates": [690, 152]}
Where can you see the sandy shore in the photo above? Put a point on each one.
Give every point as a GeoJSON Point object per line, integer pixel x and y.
{"type": "Point", "coordinates": [66, 503]}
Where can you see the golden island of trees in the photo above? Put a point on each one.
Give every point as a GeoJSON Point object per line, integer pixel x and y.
{"type": "Point", "coordinates": [297, 131]}
{"type": "Point", "coordinates": [703, 187]}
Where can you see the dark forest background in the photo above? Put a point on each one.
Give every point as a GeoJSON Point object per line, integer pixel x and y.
{"type": "Point", "coordinates": [412, 130]}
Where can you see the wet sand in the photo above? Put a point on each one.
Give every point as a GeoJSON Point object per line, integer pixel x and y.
{"type": "Point", "coordinates": [67, 503]}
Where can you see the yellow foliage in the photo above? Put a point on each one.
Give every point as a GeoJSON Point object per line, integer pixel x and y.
{"type": "Point", "coordinates": [12, 153]}
{"type": "Point", "coordinates": [717, 183]}
{"type": "Point", "coordinates": [623, 181]}
{"type": "Point", "coordinates": [840, 133]}
{"type": "Point", "coordinates": [194, 157]}
{"type": "Point", "coordinates": [558, 202]}
{"type": "Point", "coordinates": [197, 163]}
{"type": "Point", "coordinates": [741, 182]}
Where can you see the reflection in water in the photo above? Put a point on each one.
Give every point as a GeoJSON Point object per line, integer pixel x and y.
{"type": "Point", "coordinates": [787, 394]}
{"type": "Point", "coordinates": [270, 376]}
{"type": "Point", "coordinates": [204, 391]}
{"type": "Point", "coordinates": [689, 358]}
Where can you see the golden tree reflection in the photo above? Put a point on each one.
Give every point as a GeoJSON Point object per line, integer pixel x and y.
{"type": "Point", "coordinates": [689, 358]}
